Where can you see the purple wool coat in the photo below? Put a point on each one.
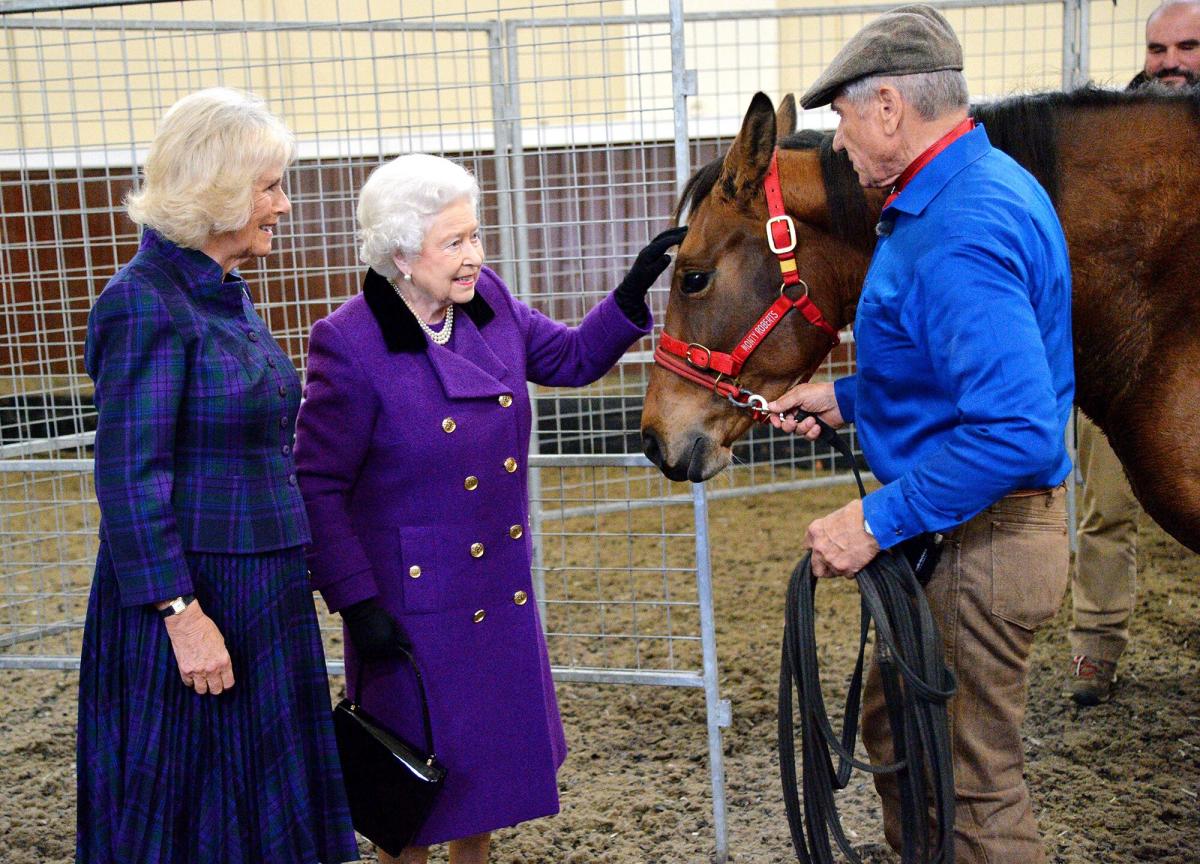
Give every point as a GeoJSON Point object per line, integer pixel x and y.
{"type": "Point", "coordinates": [412, 460]}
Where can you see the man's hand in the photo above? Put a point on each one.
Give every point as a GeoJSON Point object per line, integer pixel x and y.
{"type": "Point", "coordinates": [840, 546]}
{"type": "Point", "coordinates": [816, 399]}
{"type": "Point", "coordinates": [200, 652]}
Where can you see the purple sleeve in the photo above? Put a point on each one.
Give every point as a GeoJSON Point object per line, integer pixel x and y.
{"type": "Point", "coordinates": [562, 356]}
{"type": "Point", "coordinates": [333, 433]}
{"type": "Point", "coordinates": [135, 355]}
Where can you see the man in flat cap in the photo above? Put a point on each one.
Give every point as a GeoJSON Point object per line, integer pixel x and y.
{"type": "Point", "coordinates": [961, 398]}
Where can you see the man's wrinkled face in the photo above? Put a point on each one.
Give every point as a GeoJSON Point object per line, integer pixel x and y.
{"type": "Point", "coordinates": [860, 132]}
{"type": "Point", "coordinates": [1173, 45]}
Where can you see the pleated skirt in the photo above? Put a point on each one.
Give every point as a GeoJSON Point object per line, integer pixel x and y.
{"type": "Point", "coordinates": [247, 777]}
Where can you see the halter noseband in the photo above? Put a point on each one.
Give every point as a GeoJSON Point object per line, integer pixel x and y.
{"type": "Point", "coordinates": [718, 371]}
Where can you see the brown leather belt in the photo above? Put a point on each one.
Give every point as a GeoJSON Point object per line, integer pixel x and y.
{"type": "Point", "coordinates": [1025, 493]}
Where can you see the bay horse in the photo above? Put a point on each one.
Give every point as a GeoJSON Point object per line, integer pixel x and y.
{"type": "Point", "coordinates": [1123, 170]}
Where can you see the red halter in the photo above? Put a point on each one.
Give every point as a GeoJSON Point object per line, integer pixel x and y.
{"type": "Point", "coordinates": [698, 363]}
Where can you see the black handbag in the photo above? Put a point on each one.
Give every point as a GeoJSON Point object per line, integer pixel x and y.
{"type": "Point", "coordinates": [390, 784]}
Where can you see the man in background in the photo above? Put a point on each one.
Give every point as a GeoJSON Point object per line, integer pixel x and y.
{"type": "Point", "coordinates": [1105, 577]}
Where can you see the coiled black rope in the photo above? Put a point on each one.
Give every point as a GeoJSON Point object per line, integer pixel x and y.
{"type": "Point", "coordinates": [916, 685]}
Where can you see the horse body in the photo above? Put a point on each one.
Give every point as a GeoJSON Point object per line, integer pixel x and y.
{"type": "Point", "coordinates": [1124, 172]}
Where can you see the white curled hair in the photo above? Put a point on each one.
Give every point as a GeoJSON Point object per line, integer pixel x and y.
{"type": "Point", "coordinates": [211, 149]}
{"type": "Point", "coordinates": [400, 200]}
{"type": "Point", "coordinates": [932, 94]}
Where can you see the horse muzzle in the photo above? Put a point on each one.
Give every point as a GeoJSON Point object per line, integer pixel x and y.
{"type": "Point", "coordinates": [696, 459]}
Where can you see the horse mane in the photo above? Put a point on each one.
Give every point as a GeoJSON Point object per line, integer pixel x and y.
{"type": "Point", "coordinates": [849, 217]}
{"type": "Point", "coordinates": [1023, 126]}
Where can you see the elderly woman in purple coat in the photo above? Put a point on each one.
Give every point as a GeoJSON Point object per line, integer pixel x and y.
{"type": "Point", "coordinates": [204, 726]}
{"type": "Point", "coordinates": [411, 447]}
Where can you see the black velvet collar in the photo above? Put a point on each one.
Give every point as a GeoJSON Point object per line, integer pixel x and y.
{"type": "Point", "coordinates": [401, 332]}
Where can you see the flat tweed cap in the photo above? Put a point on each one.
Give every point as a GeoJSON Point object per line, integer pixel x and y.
{"type": "Point", "coordinates": [901, 41]}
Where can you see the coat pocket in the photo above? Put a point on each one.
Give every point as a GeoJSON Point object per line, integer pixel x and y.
{"type": "Point", "coordinates": [430, 578]}
{"type": "Point", "coordinates": [1030, 572]}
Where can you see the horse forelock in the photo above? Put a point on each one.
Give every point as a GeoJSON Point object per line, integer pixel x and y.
{"type": "Point", "coordinates": [850, 218]}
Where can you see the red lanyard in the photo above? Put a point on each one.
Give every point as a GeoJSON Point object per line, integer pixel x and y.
{"type": "Point", "coordinates": [925, 158]}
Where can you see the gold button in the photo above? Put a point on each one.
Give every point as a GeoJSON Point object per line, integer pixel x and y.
{"type": "Point", "coordinates": [479, 615]}
{"type": "Point", "coordinates": [515, 532]}
{"type": "Point", "coordinates": [520, 598]}
{"type": "Point", "coordinates": [471, 483]}
{"type": "Point", "coordinates": [448, 425]}
{"type": "Point", "coordinates": [510, 464]}
{"type": "Point", "coordinates": [414, 571]}
{"type": "Point", "coordinates": [505, 401]}
{"type": "Point", "coordinates": [476, 550]}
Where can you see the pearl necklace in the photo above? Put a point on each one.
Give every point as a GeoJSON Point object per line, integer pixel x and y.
{"type": "Point", "coordinates": [439, 337]}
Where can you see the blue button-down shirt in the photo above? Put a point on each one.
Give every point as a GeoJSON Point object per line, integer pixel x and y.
{"type": "Point", "coordinates": [965, 372]}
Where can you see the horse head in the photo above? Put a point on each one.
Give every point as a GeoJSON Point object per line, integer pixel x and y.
{"type": "Point", "coordinates": [726, 276]}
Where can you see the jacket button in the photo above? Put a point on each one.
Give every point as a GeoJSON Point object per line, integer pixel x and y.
{"type": "Point", "coordinates": [252, 335]}
{"type": "Point", "coordinates": [471, 483]}
{"type": "Point", "coordinates": [510, 464]}
{"type": "Point", "coordinates": [505, 401]}
{"type": "Point", "coordinates": [291, 479]}
{"type": "Point", "coordinates": [520, 598]}
{"type": "Point", "coordinates": [282, 422]}
{"type": "Point", "coordinates": [448, 425]}
{"type": "Point", "coordinates": [286, 449]}
{"type": "Point", "coordinates": [515, 532]}
{"type": "Point", "coordinates": [282, 390]}
{"type": "Point", "coordinates": [479, 615]}
{"type": "Point", "coordinates": [271, 362]}
{"type": "Point", "coordinates": [414, 571]}
{"type": "Point", "coordinates": [476, 550]}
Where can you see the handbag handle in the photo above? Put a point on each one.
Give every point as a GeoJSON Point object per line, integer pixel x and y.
{"type": "Point", "coordinates": [420, 689]}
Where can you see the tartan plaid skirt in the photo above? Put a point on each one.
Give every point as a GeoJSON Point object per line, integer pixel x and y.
{"type": "Point", "coordinates": [250, 776]}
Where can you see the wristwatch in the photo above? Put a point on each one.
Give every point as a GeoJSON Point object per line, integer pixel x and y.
{"type": "Point", "coordinates": [867, 528]}
{"type": "Point", "coordinates": [176, 606]}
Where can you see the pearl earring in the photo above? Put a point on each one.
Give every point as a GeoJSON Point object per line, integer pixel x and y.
{"type": "Point", "coordinates": [407, 277]}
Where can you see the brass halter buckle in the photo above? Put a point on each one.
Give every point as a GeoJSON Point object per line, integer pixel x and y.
{"type": "Point", "coordinates": [695, 364]}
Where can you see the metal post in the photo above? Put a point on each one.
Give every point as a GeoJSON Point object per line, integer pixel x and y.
{"type": "Point", "coordinates": [717, 711]}
{"type": "Point", "coordinates": [502, 138]}
{"type": "Point", "coordinates": [1074, 43]}
{"type": "Point", "coordinates": [523, 288]}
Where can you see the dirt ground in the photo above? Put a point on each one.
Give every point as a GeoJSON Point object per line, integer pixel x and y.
{"type": "Point", "coordinates": [1116, 783]}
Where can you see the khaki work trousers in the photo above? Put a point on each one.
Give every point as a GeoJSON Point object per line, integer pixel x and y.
{"type": "Point", "coordinates": [1001, 575]}
{"type": "Point", "coordinates": [1105, 578]}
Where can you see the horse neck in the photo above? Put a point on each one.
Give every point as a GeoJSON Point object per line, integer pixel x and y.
{"type": "Point", "coordinates": [849, 247]}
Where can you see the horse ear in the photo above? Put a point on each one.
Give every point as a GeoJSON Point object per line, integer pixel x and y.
{"type": "Point", "coordinates": [750, 155]}
{"type": "Point", "coordinates": [785, 117]}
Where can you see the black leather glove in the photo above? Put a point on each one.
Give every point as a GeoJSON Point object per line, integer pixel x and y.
{"type": "Point", "coordinates": [648, 266]}
{"type": "Point", "coordinates": [374, 633]}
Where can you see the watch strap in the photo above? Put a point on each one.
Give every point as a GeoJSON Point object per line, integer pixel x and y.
{"type": "Point", "coordinates": [177, 605]}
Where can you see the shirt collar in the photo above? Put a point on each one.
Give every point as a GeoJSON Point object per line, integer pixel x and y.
{"type": "Point", "coordinates": [931, 179]}
{"type": "Point", "coordinates": [202, 275]}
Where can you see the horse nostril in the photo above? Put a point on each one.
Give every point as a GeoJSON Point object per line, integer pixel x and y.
{"type": "Point", "coordinates": [651, 448]}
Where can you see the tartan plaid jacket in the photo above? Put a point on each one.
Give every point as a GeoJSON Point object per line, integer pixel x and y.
{"type": "Point", "coordinates": [197, 407]}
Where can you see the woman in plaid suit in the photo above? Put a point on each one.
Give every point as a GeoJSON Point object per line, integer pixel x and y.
{"type": "Point", "coordinates": [412, 448]}
{"type": "Point", "coordinates": [204, 725]}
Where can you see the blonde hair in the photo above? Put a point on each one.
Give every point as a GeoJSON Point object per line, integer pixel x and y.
{"type": "Point", "coordinates": [211, 149]}
{"type": "Point", "coordinates": [399, 202]}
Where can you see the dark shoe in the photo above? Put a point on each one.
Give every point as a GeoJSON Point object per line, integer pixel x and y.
{"type": "Point", "coordinates": [1091, 681]}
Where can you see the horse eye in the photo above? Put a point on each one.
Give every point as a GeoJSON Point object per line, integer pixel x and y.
{"type": "Point", "coordinates": [696, 280]}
